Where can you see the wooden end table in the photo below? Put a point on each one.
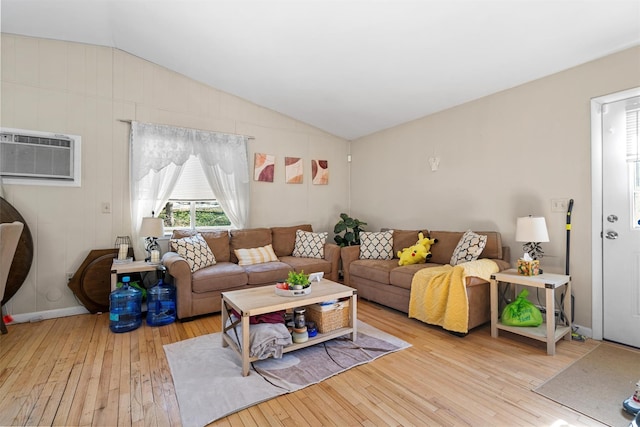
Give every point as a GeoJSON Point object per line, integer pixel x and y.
{"type": "Point", "coordinates": [548, 332]}
{"type": "Point", "coordinates": [128, 268]}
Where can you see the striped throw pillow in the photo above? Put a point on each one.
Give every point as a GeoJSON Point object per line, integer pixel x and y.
{"type": "Point", "coordinates": [255, 255]}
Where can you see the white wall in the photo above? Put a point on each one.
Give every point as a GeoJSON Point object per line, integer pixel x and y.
{"type": "Point", "coordinates": [502, 156]}
{"type": "Point", "coordinates": [84, 89]}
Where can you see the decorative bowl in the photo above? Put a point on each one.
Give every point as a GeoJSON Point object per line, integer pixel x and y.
{"type": "Point", "coordinates": [283, 290]}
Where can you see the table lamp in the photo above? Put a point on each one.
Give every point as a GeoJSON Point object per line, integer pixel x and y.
{"type": "Point", "coordinates": [532, 230]}
{"type": "Point", "coordinates": [151, 229]}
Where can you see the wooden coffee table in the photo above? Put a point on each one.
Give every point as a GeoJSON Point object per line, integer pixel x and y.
{"type": "Point", "coordinates": [261, 300]}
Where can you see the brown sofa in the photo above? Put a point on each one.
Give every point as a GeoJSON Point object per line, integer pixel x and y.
{"type": "Point", "coordinates": [200, 292]}
{"type": "Point", "coordinates": [387, 283]}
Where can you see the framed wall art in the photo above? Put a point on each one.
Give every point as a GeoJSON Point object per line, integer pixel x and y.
{"type": "Point", "coordinates": [293, 170]}
{"type": "Point", "coordinates": [320, 172]}
{"type": "Point", "coordinates": [263, 167]}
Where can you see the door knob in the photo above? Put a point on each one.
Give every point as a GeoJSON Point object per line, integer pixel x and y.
{"type": "Point", "coordinates": [612, 218]}
{"type": "Point", "coordinates": [612, 235]}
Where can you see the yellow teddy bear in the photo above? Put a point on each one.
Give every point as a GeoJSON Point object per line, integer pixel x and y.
{"type": "Point", "coordinates": [418, 253]}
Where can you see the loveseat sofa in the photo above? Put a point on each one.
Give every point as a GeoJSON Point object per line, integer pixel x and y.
{"type": "Point", "coordinates": [387, 283]}
{"type": "Point", "coordinates": [199, 292]}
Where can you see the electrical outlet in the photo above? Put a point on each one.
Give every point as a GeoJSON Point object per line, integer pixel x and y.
{"type": "Point", "coordinates": [559, 205]}
{"type": "Point", "coordinates": [106, 207]}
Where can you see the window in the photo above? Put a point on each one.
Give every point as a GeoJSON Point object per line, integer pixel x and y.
{"type": "Point", "coordinates": [633, 158]}
{"type": "Point", "coordinates": [192, 204]}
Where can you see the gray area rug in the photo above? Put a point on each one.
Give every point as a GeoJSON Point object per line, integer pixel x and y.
{"type": "Point", "coordinates": [597, 384]}
{"type": "Point", "coordinates": [209, 384]}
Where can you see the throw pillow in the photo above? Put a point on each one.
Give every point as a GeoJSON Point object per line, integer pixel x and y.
{"type": "Point", "coordinates": [376, 245]}
{"type": "Point", "coordinates": [255, 255]}
{"type": "Point", "coordinates": [195, 250]}
{"type": "Point", "coordinates": [309, 245]}
{"type": "Point", "coordinates": [469, 248]}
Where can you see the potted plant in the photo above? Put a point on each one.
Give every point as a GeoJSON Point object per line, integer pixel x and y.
{"type": "Point", "coordinates": [298, 280]}
{"type": "Point", "coordinates": [351, 228]}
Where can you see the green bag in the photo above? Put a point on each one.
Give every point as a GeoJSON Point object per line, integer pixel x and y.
{"type": "Point", "coordinates": [521, 312]}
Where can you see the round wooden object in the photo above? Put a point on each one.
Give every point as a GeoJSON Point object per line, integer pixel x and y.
{"type": "Point", "coordinates": [92, 282]}
{"type": "Point", "coordinates": [24, 252]}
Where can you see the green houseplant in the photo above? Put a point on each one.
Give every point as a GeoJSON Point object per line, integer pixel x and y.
{"type": "Point", "coordinates": [298, 279]}
{"type": "Point", "coordinates": [351, 228]}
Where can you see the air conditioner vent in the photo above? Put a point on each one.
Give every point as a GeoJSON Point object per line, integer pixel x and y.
{"type": "Point", "coordinates": [39, 158]}
{"type": "Point", "coordinates": [38, 140]}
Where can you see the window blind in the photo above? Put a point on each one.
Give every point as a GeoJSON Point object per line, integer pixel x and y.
{"type": "Point", "coordinates": [192, 184]}
{"type": "Point", "coordinates": [633, 123]}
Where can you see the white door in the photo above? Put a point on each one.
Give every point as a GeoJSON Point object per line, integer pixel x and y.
{"type": "Point", "coordinates": [620, 224]}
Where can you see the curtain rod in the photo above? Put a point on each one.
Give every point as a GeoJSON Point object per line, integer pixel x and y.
{"type": "Point", "coordinates": [248, 136]}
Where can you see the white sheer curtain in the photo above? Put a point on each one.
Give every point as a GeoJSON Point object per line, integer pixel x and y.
{"type": "Point", "coordinates": [158, 153]}
{"type": "Point", "coordinates": [224, 161]}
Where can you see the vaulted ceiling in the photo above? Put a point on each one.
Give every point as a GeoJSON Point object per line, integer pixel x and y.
{"type": "Point", "coordinates": [349, 67]}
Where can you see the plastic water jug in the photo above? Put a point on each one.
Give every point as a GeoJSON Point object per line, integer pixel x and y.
{"type": "Point", "coordinates": [125, 308]}
{"type": "Point", "coordinates": [161, 304]}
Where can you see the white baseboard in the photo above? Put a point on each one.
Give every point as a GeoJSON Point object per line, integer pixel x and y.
{"type": "Point", "coordinates": [48, 314]}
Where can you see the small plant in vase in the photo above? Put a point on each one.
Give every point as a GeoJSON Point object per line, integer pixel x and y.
{"type": "Point", "coordinates": [298, 280]}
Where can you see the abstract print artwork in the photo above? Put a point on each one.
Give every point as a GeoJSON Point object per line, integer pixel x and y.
{"type": "Point", "coordinates": [263, 169]}
{"type": "Point", "coordinates": [293, 170]}
{"type": "Point", "coordinates": [320, 172]}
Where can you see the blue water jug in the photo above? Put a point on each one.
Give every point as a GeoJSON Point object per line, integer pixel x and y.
{"type": "Point", "coordinates": [125, 308]}
{"type": "Point", "coordinates": [161, 304]}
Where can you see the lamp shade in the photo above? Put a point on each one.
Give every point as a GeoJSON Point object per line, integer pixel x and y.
{"type": "Point", "coordinates": [531, 229]}
{"type": "Point", "coordinates": [151, 227]}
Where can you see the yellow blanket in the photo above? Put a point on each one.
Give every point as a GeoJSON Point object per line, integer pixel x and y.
{"type": "Point", "coordinates": [439, 294]}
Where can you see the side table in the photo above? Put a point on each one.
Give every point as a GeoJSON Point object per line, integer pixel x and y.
{"type": "Point", "coordinates": [548, 332]}
{"type": "Point", "coordinates": [128, 268]}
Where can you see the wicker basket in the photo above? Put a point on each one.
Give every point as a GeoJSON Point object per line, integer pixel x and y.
{"type": "Point", "coordinates": [329, 318]}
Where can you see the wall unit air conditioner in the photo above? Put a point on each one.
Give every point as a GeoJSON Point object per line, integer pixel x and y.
{"type": "Point", "coordinates": [39, 158]}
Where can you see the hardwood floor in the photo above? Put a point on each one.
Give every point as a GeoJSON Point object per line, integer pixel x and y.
{"type": "Point", "coordinates": [74, 371]}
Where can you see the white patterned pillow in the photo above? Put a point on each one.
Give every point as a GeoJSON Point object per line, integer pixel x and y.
{"type": "Point", "coordinates": [469, 248]}
{"type": "Point", "coordinates": [255, 255]}
{"type": "Point", "coordinates": [195, 250]}
{"type": "Point", "coordinates": [309, 245]}
{"type": "Point", "coordinates": [376, 245]}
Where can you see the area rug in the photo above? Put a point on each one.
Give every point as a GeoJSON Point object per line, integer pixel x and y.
{"type": "Point", "coordinates": [597, 384]}
{"type": "Point", "coordinates": [209, 384]}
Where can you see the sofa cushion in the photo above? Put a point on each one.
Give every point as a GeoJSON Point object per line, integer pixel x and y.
{"type": "Point", "coordinates": [267, 273]}
{"type": "Point", "coordinates": [218, 241]}
{"type": "Point", "coordinates": [248, 238]}
{"type": "Point", "coordinates": [219, 277]}
{"type": "Point", "coordinates": [376, 270]}
{"type": "Point", "coordinates": [309, 245]}
{"type": "Point", "coordinates": [448, 240]}
{"type": "Point", "coordinates": [468, 248]}
{"type": "Point", "coordinates": [252, 256]}
{"type": "Point", "coordinates": [308, 265]}
{"type": "Point", "coordinates": [403, 276]}
{"type": "Point", "coordinates": [195, 250]}
{"type": "Point", "coordinates": [493, 248]}
{"type": "Point", "coordinates": [405, 238]}
{"type": "Point", "coordinates": [284, 238]}
{"type": "Point", "coordinates": [376, 245]}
